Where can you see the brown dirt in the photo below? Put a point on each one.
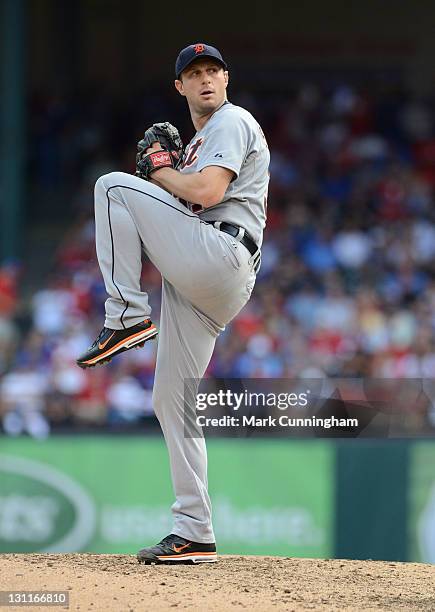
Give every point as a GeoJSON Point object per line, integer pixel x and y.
{"type": "Point", "coordinates": [118, 583]}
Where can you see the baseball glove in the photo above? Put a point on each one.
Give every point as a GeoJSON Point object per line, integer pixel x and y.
{"type": "Point", "coordinates": [171, 149]}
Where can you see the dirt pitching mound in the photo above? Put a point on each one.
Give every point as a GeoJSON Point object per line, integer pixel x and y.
{"type": "Point", "coordinates": [118, 583]}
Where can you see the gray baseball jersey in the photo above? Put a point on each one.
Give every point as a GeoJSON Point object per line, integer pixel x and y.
{"type": "Point", "coordinates": [233, 139]}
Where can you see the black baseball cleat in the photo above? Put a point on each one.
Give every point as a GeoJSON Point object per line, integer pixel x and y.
{"type": "Point", "coordinates": [111, 342]}
{"type": "Point", "coordinates": [175, 549]}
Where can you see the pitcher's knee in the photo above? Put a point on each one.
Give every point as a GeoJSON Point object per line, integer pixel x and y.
{"type": "Point", "coordinates": [167, 405]}
{"type": "Point", "coordinates": [111, 180]}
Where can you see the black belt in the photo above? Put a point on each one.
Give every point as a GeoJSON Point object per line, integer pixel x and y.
{"type": "Point", "coordinates": [233, 230]}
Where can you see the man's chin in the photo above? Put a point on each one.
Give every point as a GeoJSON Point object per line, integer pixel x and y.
{"type": "Point", "coordinates": [208, 106]}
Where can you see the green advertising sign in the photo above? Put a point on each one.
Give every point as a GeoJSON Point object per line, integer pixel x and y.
{"type": "Point", "coordinates": [113, 495]}
{"type": "Point", "coordinates": [422, 502]}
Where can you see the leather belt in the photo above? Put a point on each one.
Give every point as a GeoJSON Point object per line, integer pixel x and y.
{"type": "Point", "coordinates": [235, 231]}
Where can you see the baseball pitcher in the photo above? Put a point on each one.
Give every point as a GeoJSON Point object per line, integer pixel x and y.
{"type": "Point", "coordinates": [199, 214]}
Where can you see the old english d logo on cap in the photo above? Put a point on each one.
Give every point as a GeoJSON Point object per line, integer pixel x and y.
{"type": "Point", "coordinates": [199, 48]}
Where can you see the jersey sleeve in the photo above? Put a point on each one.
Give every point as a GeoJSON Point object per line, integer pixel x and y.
{"type": "Point", "coordinates": [226, 145]}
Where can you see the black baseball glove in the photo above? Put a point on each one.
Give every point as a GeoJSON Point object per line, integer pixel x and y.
{"type": "Point", "coordinates": [169, 155]}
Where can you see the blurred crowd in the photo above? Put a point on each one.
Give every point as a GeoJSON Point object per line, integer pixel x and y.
{"type": "Point", "coordinates": [347, 282]}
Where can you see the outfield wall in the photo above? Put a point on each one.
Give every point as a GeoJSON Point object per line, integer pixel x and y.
{"type": "Point", "coordinates": [329, 498]}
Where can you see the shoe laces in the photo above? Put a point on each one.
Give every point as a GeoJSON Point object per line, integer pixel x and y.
{"type": "Point", "coordinates": [100, 336]}
{"type": "Point", "coordinates": [170, 539]}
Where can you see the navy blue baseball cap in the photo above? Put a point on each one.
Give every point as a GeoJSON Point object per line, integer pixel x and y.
{"type": "Point", "coordinates": [193, 52]}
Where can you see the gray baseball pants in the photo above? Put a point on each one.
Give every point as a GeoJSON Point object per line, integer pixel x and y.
{"type": "Point", "coordinates": [207, 277]}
